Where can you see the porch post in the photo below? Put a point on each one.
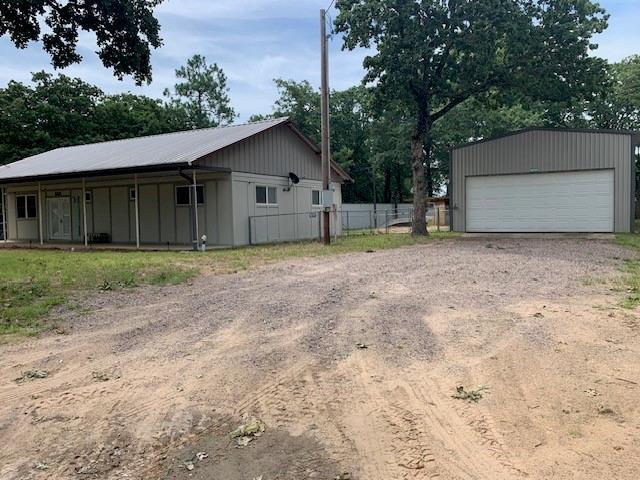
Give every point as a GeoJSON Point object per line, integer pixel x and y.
{"type": "Point", "coordinates": [194, 201]}
{"type": "Point", "coordinates": [84, 213]}
{"type": "Point", "coordinates": [40, 213]}
{"type": "Point", "coordinates": [3, 194]}
{"type": "Point", "coordinates": [135, 183]}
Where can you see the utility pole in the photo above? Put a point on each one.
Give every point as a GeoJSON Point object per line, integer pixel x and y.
{"type": "Point", "coordinates": [327, 197]}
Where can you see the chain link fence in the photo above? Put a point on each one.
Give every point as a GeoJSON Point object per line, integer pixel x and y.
{"type": "Point", "coordinates": [292, 227]}
{"type": "Point", "coordinates": [394, 220]}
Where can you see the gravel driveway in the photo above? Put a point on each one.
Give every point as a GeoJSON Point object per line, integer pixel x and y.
{"type": "Point", "coordinates": [351, 361]}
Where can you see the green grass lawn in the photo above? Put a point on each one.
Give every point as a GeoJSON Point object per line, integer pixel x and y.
{"type": "Point", "coordinates": [32, 282]}
{"type": "Point", "coordinates": [631, 269]}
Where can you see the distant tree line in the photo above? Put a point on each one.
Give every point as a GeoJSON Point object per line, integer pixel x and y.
{"type": "Point", "coordinates": [57, 111]}
{"type": "Point", "coordinates": [372, 142]}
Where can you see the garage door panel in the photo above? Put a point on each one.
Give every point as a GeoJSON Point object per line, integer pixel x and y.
{"type": "Point", "coordinates": [547, 202]}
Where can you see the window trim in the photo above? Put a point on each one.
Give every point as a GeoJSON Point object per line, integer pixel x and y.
{"type": "Point", "coordinates": [266, 187]}
{"type": "Point", "coordinates": [26, 207]}
{"type": "Point", "coordinates": [132, 194]}
{"type": "Point", "coordinates": [319, 204]}
{"type": "Point", "coordinates": [190, 188]}
{"type": "Point", "coordinates": [88, 196]}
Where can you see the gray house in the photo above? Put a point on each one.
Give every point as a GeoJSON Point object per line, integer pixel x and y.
{"type": "Point", "coordinates": [237, 185]}
{"type": "Point", "coordinates": [545, 180]}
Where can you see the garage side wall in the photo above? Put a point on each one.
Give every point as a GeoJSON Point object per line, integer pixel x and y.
{"type": "Point", "coordinates": [545, 152]}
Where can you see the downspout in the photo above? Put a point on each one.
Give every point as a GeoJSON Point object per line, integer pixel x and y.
{"type": "Point", "coordinates": [196, 241]}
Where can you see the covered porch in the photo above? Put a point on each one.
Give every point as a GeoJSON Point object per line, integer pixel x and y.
{"type": "Point", "coordinates": [166, 209]}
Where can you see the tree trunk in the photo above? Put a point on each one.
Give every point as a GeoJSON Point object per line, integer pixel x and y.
{"type": "Point", "coordinates": [419, 225]}
{"type": "Point", "coordinates": [429, 173]}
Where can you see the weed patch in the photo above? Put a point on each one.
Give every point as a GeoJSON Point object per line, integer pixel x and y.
{"type": "Point", "coordinates": [472, 396]}
{"type": "Point", "coordinates": [32, 375]}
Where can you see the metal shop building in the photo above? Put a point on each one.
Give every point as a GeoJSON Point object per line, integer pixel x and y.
{"type": "Point", "coordinates": [546, 180]}
{"type": "Point", "coordinates": [237, 185]}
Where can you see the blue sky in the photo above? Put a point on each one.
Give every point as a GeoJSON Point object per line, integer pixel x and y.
{"type": "Point", "coordinates": [255, 41]}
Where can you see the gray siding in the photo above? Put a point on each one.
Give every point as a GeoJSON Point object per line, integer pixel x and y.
{"type": "Point", "coordinates": [544, 151]}
{"type": "Point", "coordinates": [120, 229]}
{"type": "Point", "coordinates": [288, 220]}
{"type": "Point", "coordinates": [275, 152]}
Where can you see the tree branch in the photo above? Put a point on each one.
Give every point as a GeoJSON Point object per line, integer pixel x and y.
{"type": "Point", "coordinates": [458, 99]}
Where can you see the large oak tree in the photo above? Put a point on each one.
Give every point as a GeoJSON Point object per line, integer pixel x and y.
{"type": "Point", "coordinates": [432, 55]}
{"type": "Point", "coordinates": [125, 31]}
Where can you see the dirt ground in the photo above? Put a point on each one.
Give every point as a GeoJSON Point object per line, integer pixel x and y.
{"type": "Point", "coordinates": [149, 382]}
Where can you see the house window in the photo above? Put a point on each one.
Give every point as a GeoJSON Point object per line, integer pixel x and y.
{"type": "Point", "coordinates": [266, 195]}
{"type": "Point", "coordinates": [316, 198]}
{"type": "Point", "coordinates": [88, 197]}
{"type": "Point", "coordinates": [132, 194]}
{"type": "Point", "coordinates": [26, 206]}
{"type": "Point", "coordinates": [183, 194]}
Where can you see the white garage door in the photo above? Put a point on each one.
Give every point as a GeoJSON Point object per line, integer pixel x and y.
{"type": "Point", "coordinates": [541, 202]}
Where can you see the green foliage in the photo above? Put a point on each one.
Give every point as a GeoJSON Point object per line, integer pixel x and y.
{"type": "Point", "coordinates": [356, 133]}
{"type": "Point", "coordinates": [54, 112]}
{"type": "Point", "coordinates": [125, 30]}
{"type": "Point", "coordinates": [618, 106]}
{"type": "Point", "coordinates": [127, 115]}
{"type": "Point", "coordinates": [301, 103]}
{"type": "Point", "coordinates": [631, 268]}
{"type": "Point", "coordinates": [203, 94]}
{"type": "Point", "coordinates": [60, 111]}
{"type": "Point", "coordinates": [57, 111]}
{"type": "Point", "coordinates": [389, 142]}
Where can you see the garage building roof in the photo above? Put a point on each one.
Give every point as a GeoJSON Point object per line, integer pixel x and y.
{"type": "Point", "coordinates": [547, 129]}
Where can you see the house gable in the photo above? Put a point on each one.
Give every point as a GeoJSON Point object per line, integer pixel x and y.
{"type": "Point", "coordinates": [274, 152]}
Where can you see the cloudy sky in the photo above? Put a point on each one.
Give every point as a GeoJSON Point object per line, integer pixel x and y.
{"type": "Point", "coordinates": [255, 41]}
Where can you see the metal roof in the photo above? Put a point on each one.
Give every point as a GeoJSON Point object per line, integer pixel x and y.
{"type": "Point", "coordinates": [179, 148]}
{"type": "Point", "coordinates": [546, 129]}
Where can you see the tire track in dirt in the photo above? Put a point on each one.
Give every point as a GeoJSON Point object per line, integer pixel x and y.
{"type": "Point", "coordinates": [278, 344]}
{"type": "Point", "coordinates": [431, 435]}
{"type": "Point", "coordinates": [303, 402]}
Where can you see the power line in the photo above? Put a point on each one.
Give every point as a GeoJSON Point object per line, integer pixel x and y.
{"type": "Point", "coordinates": [331, 31]}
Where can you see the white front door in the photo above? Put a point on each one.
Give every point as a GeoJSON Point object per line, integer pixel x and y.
{"type": "Point", "coordinates": [59, 218]}
{"type": "Point", "coordinates": [542, 202]}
